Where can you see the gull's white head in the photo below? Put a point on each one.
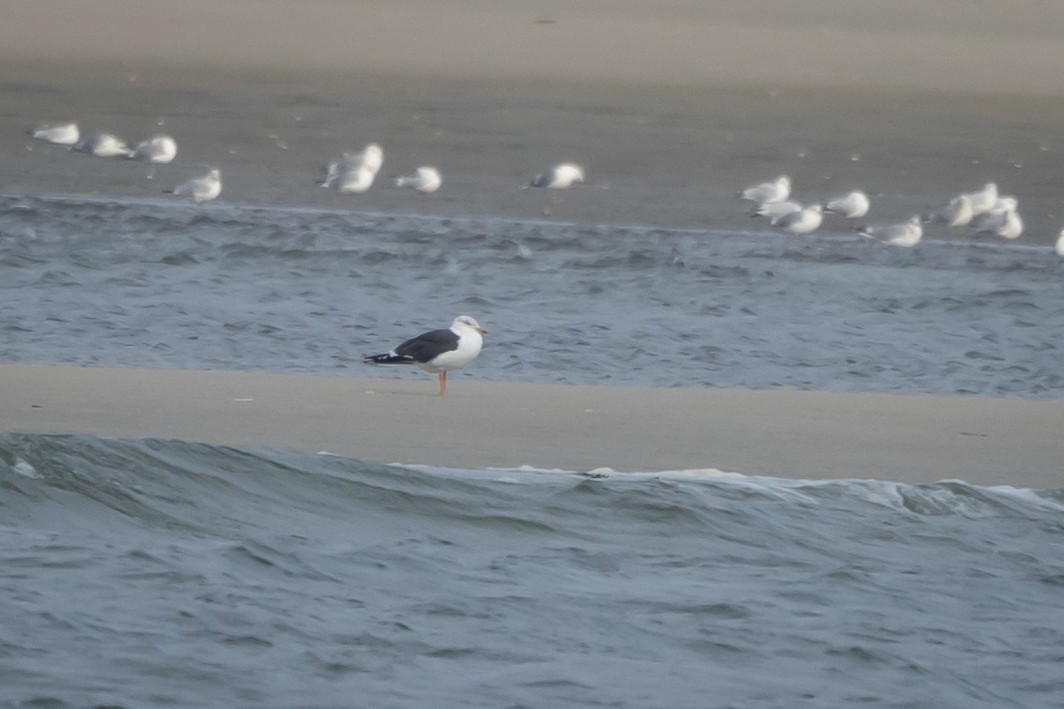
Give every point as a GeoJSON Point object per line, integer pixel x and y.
{"type": "Point", "coordinates": [567, 173]}
{"type": "Point", "coordinates": [467, 322]}
{"type": "Point", "coordinates": [373, 157]}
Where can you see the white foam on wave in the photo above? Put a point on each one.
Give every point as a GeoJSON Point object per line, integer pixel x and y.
{"type": "Point", "coordinates": [529, 473]}
{"type": "Point", "coordinates": [24, 469]}
{"type": "Point", "coordinates": [945, 497]}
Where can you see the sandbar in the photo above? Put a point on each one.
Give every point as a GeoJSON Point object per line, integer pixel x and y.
{"type": "Point", "coordinates": [794, 434]}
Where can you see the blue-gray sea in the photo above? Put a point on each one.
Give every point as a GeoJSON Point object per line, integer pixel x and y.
{"type": "Point", "coordinates": [152, 573]}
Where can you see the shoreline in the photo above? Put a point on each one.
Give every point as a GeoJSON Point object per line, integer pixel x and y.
{"type": "Point", "coordinates": [791, 434]}
{"type": "Point", "coordinates": [659, 157]}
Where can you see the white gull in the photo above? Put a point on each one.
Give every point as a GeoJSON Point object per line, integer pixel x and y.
{"type": "Point", "coordinates": [852, 205]}
{"type": "Point", "coordinates": [906, 234]}
{"type": "Point", "coordinates": [957, 213]}
{"type": "Point", "coordinates": [1005, 223]}
{"type": "Point", "coordinates": [559, 177]}
{"type": "Point", "coordinates": [775, 191]}
{"type": "Point", "coordinates": [804, 221]}
{"type": "Point", "coordinates": [102, 145]}
{"type": "Point", "coordinates": [425, 179]}
{"type": "Point", "coordinates": [57, 133]}
{"type": "Point", "coordinates": [202, 189]}
{"type": "Point", "coordinates": [775, 210]}
{"type": "Point", "coordinates": [354, 172]}
{"type": "Point", "coordinates": [983, 200]}
{"type": "Point", "coordinates": [159, 149]}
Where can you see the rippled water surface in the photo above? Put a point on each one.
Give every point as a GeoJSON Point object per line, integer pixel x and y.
{"type": "Point", "coordinates": [159, 284]}
{"type": "Point", "coordinates": [161, 573]}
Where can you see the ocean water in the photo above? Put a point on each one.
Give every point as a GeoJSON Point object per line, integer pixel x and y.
{"type": "Point", "coordinates": [162, 573]}
{"type": "Point", "coordinates": [155, 573]}
{"type": "Point", "coordinates": [159, 284]}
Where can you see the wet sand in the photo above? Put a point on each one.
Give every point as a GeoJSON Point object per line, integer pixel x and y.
{"type": "Point", "coordinates": [671, 111]}
{"type": "Point", "coordinates": [920, 439]}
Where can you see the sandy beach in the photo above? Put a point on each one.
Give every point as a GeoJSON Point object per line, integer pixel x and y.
{"type": "Point", "coordinates": [919, 439]}
{"type": "Point", "coordinates": [671, 110]}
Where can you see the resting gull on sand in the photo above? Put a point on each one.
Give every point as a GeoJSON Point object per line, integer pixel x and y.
{"type": "Point", "coordinates": [957, 213]}
{"type": "Point", "coordinates": [983, 200]}
{"type": "Point", "coordinates": [852, 205]}
{"type": "Point", "coordinates": [906, 234]}
{"type": "Point", "coordinates": [1005, 223]}
{"type": "Point", "coordinates": [559, 177]}
{"type": "Point", "coordinates": [775, 210]}
{"type": "Point", "coordinates": [775, 191]}
{"type": "Point", "coordinates": [102, 145]}
{"type": "Point", "coordinates": [57, 133]}
{"type": "Point", "coordinates": [426, 179]}
{"type": "Point", "coordinates": [354, 172]}
{"type": "Point", "coordinates": [438, 351]}
{"type": "Point", "coordinates": [159, 149]}
{"type": "Point", "coordinates": [804, 221]}
{"type": "Point", "coordinates": [202, 189]}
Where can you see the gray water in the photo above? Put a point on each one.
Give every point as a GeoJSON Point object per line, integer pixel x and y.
{"type": "Point", "coordinates": [157, 284]}
{"type": "Point", "coordinates": [158, 573]}
{"type": "Point", "coordinates": [161, 573]}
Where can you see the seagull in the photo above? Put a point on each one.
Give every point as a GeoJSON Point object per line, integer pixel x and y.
{"type": "Point", "coordinates": [776, 191]}
{"type": "Point", "coordinates": [202, 189]}
{"type": "Point", "coordinates": [335, 169]}
{"type": "Point", "coordinates": [1059, 248]}
{"type": "Point", "coordinates": [983, 200]}
{"type": "Point", "coordinates": [906, 234]}
{"type": "Point", "coordinates": [438, 351]}
{"type": "Point", "coordinates": [58, 133]}
{"type": "Point", "coordinates": [1005, 204]}
{"type": "Point", "coordinates": [775, 210]}
{"type": "Point", "coordinates": [427, 179]}
{"type": "Point", "coordinates": [102, 145]}
{"type": "Point", "coordinates": [957, 213]}
{"type": "Point", "coordinates": [354, 172]}
{"type": "Point", "coordinates": [852, 205]}
{"type": "Point", "coordinates": [804, 221]}
{"type": "Point", "coordinates": [372, 157]}
{"type": "Point", "coordinates": [559, 177]}
{"type": "Point", "coordinates": [355, 179]}
{"type": "Point", "coordinates": [1005, 223]}
{"type": "Point", "coordinates": [159, 149]}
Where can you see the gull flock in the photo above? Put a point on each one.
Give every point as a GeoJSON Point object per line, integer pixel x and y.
{"type": "Point", "coordinates": [981, 212]}
{"type": "Point", "coordinates": [349, 173]}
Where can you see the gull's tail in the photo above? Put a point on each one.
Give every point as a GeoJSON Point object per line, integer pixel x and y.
{"type": "Point", "coordinates": [387, 358]}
